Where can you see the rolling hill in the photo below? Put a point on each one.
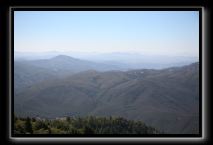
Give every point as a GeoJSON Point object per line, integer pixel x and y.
{"type": "Point", "coordinates": [167, 99]}
{"type": "Point", "coordinates": [29, 72]}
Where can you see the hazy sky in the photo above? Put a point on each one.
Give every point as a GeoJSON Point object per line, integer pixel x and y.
{"type": "Point", "coordinates": [146, 32]}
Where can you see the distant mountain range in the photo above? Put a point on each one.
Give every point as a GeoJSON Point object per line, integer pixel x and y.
{"type": "Point", "coordinates": [167, 99]}
{"type": "Point", "coordinates": [122, 60]}
{"type": "Point", "coordinates": [28, 72]}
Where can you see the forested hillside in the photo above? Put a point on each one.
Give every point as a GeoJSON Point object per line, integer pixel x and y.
{"type": "Point", "coordinates": [79, 125]}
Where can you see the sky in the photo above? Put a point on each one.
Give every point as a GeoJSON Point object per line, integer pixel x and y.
{"type": "Point", "coordinates": [174, 33]}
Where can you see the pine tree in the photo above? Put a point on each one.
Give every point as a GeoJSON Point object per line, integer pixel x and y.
{"type": "Point", "coordinates": [28, 125]}
{"type": "Point", "coordinates": [15, 118]}
{"type": "Point", "coordinates": [68, 119]}
{"type": "Point", "coordinates": [49, 130]}
{"type": "Point", "coordinates": [88, 130]}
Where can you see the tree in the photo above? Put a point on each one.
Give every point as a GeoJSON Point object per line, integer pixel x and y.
{"type": "Point", "coordinates": [68, 119]}
{"type": "Point", "coordinates": [88, 130]}
{"type": "Point", "coordinates": [39, 125]}
{"type": "Point", "coordinates": [28, 125]}
{"type": "Point", "coordinates": [19, 126]}
{"type": "Point", "coordinates": [15, 118]}
{"type": "Point", "coordinates": [87, 125]}
{"type": "Point", "coordinates": [49, 130]}
{"type": "Point", "coordinates": [33, 119]}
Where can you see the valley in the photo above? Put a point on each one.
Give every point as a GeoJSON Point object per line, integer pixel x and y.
{"type": "Point", "coordinates": [167, 99]}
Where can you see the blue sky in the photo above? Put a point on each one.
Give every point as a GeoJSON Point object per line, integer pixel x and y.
{"type": "Point", "coordinates": [147, 32]}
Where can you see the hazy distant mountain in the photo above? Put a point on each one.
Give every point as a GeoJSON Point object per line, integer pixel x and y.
{"type": "Point", "coordinates": [28, 72]}
{"type": "Point", "coordinates": [167, 99]}
{"type": "Point", "coordinates": [122, 60]}
{"type": "Point", "coordinates": [66, 64]}
{"type": "Point", "coordinates": [138, 61]}
{"type": "Point", "coordinates": [34, 55]}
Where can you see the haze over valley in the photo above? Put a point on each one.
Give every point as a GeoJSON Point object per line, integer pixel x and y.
{"type": "Point", "coordinates": [167, 99]}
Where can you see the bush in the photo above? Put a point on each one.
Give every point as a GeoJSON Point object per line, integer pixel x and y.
{"type": "Point", "coordinates": [87, 125]}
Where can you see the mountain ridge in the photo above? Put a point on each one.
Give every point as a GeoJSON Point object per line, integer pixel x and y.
{"type": "Point", "coordinates": [120, 93]}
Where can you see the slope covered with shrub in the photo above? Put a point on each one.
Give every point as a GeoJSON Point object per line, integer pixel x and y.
{"type": "Point", "coordinates": [86, 125]}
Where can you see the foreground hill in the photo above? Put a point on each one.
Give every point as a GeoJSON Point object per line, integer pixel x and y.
{"type": "Point", "coordinates": [86, 125]}
{"type": "Point", "coordinates": [166, 99]}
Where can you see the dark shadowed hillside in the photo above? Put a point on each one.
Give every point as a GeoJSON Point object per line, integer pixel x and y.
{"type": "Point", "coordinates": [167, 99]}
